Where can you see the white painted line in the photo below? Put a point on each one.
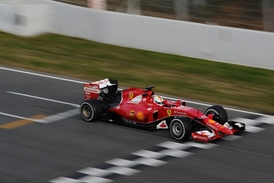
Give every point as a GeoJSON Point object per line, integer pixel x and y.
{"type": "Point", "coordinates": [49, 119]}
{"type": "Point", "coordinates": [42, 98]}
{"type": "Point", "coordinates": [41, 75]}
{"type": "Point", "coordinates": [122, 162]}
{"type": "Point", "coordinates": [176, 153]}
{"type": "Point", "coordinates": [92, 179]}
{"type": "Point", "coordinates": [20, 117]}
{"type": "Point", "coordinates": [246, 112]}
{"type": "Point", "coordinates": [202, 145]}
{"type": "Point", "coordinates": [150, 162]}
{"type": "Point", "coordinates": [123, 170]}
{"type": "Point", "coordinates": [81, 82]}
{"type": "Point", "coordinates": [64, 180]}
{"type": "Point", "coordinates": [248, 122]}
{"type": "Point", "coordinates": [148, 154]}
{"type": "Point", "coordinates": [13, 116]}
{"type": "Point", "coordinates": [266, 119]}
{"type": "Point", "coordinates": [60, 116]}
{"type": "Point", "coordinates": [173, 145]}
{"type": "Point", "coordinates": [95, 172]}
{"type": "Point", "coordinates": [253, 129]}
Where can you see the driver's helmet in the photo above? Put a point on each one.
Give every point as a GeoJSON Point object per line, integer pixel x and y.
{"type": "Point", "coordinates": [158, 99]}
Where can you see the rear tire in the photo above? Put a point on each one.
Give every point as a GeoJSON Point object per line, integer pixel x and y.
{"type": "Point", "coordinates": [91, 110]}
{"type": "Point", "coordinates": [180, 128]}
{"type": "Point", "coordinates": [219, 113]}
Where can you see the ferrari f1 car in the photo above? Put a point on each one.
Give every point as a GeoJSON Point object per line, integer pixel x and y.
{"type": "Point", "coordinates": [142, 108]}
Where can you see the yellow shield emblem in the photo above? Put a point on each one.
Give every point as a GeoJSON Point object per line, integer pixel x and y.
{"type": "Point", "coordinates": [168, 112]}
{"type": "Point", "coordinates": [131, 95]}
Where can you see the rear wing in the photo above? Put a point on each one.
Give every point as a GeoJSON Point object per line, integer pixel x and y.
{"type": "Point", "coordinates": [97, 89]}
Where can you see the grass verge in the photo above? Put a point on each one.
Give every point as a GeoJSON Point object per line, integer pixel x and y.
{"type": "Point", "coordinates": [197, 79]}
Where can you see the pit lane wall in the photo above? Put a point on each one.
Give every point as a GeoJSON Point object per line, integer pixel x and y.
{"type": "Point", "coordinates": [23, 18]}
{"type": "Point", "coordinates": [224, 44]}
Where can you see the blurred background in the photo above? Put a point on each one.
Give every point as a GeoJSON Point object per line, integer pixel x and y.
{"type": "Point", "coordinates": [247, 14]}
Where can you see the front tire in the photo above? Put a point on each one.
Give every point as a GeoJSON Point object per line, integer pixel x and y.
{"type": "Point", "coordinates": [91, 110]}
{"type": "Point", "coordinates": [180, 128]}
{"type": "Point", "coordinates": [219, 114]}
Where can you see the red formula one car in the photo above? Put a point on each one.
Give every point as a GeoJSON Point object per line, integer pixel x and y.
{"type": "Point", "coordinates": [142, 108]}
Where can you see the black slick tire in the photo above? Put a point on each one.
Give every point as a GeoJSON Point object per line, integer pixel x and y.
{"type": "Point", "coordinates": [180, 128]}
{"type": "Point", "coordinates": [91, 110]}
{"type": "Point", "coordinates": [219, 113]}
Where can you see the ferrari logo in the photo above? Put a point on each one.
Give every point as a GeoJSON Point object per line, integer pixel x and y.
{"type": "Point", "coordinates": [168, 112]}
{"type": "Point", "coordinates": [131, 95]}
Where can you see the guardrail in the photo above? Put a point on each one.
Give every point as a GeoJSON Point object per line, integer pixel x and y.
{"type": "Point", "coordinates": [224, 44]}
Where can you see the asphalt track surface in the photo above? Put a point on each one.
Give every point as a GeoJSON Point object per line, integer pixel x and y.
{"type": "Point", "coordinates": [44, 139]}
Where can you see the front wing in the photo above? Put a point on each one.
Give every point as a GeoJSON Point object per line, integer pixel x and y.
{"type": "Point", "coordinates": [210, 135]}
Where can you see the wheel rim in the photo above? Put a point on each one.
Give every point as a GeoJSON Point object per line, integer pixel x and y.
{"type": "Point", "coordinates": [177, 130]}
{"type": "Point", "coordinates": [87, 112]}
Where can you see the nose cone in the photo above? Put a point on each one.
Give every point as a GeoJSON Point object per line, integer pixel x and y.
{"type": "Point", "coordinates": [226, 130]}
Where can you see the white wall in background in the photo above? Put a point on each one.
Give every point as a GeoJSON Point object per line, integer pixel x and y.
{"type": "Point", "coordinates": [225, 44]}
{"type": "Point", "coordinates": [23, 19]}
